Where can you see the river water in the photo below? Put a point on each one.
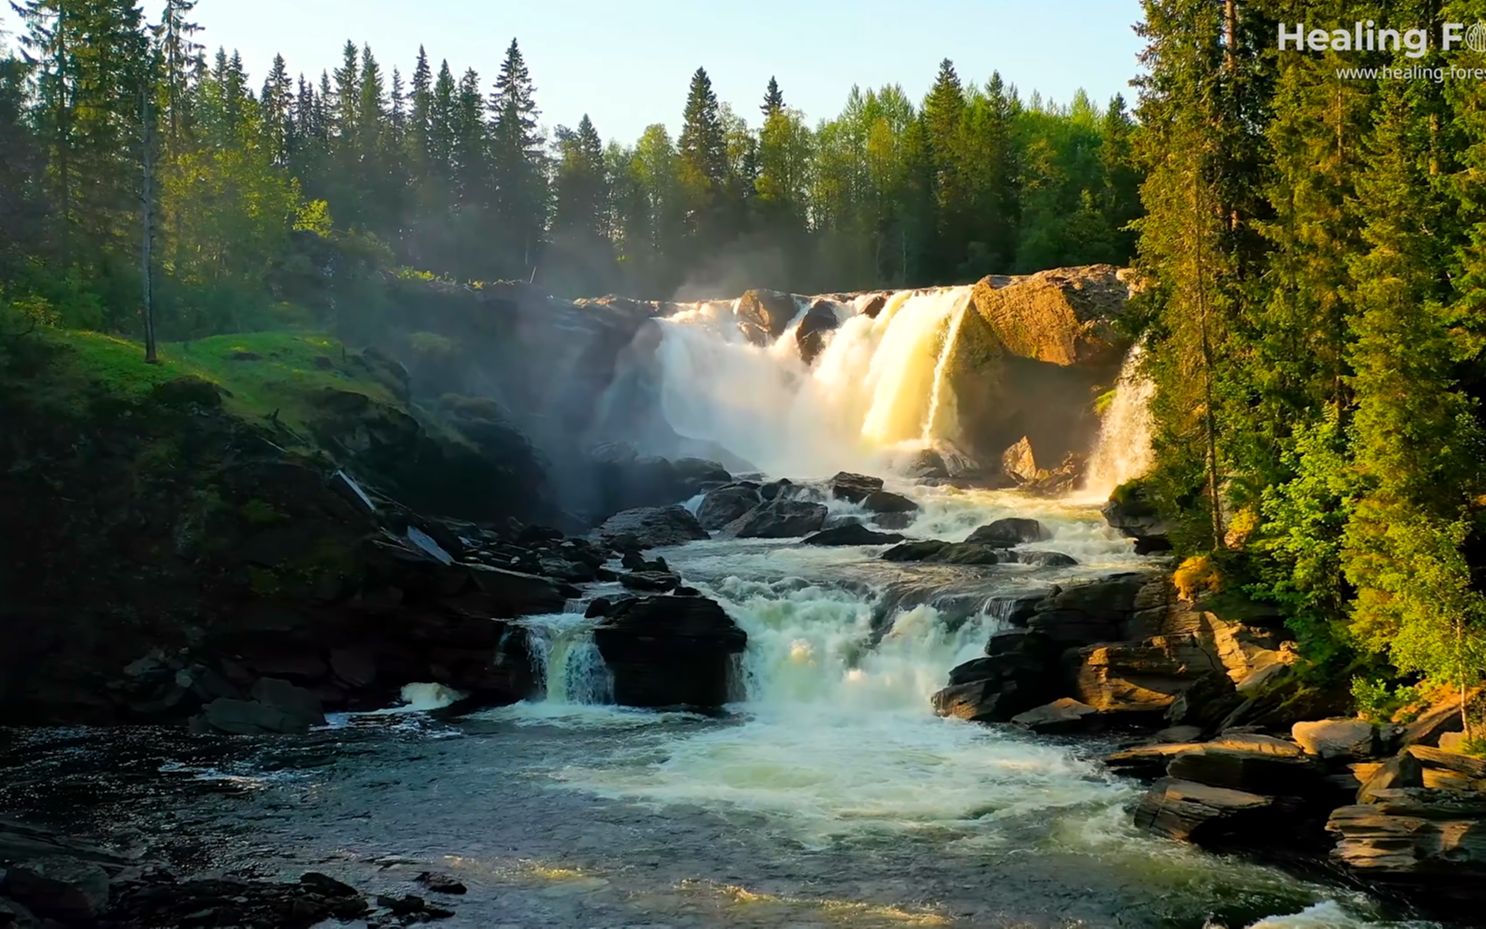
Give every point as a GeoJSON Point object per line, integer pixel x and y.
{"type": "Point", "coordinates": [828, 795]}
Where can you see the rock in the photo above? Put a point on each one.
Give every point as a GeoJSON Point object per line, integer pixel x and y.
{"type": "Point", "coordinates": [1400, 771]}
{"type": "Point", "coordinates": [914, 551]}
{"type": "Point", "coordinates": [295, 701]}
{"type": "Point", "coordinates": [855, 534]}
{"type": "Point", "coordinates": [1014, 530]}
{"type": "Point", "coordinates": [66, 889]}
{"type": "Point", "coordinates": [814, 329]}
{"type": "Point", "coordinates": [1144, 677]}
{"type": "Point", "coordinates": [893, 521]}
{"type": "Point", "coordinates": [1011, 679]}
{"type": "Point", "coordinates": [854, 487]}
{"type": "Point", "coordinates": [354, 666]}
{"type": "Point", "coordinates": [1018, 462]}
{"type": "Point", "coordinates": [652, 527]}
{"type": "Point", "coordinates": [1063, 317]}
{"type": "Point", "coordinates": [598, 606]}
{"type": "Point", "coordinates": [874, 305]}
{"type": "Point", "coordinates": [1131, 511]}
{"type": "Point", "coordinates": [438, 882]}
{"type": "Point", "coordinates": [782, 487]}
{"type": "Point", "coordinates": [1086, 613]}
{"type": "Point", "coordinates": [669, 651]}
{"type": "Point", "coordinates": [1063, 715]}
{"type": "Point", "coordinates": [1337, 738]}
{"type": "Point", "coordinates": [925, 464]}
{"type": "Point", "coordinates": [249, 717]}
{"type": "Point", "coordinates": [725, 504]}
{"type": "Point", "coordinates": [658, 581]}
{"type": "Point", "coordinates": [1146, 762]}
{"type": "Point", "coordinates": [1470, 766]}
{"type": "Point", "coordinates": [883, 501]}
{"type": "Point", "coordinates": [516, 593]}
{"type": "Point", "coordinates": [779, 519]}
{"type": "Point", "coordinates": [1040, 559]}
{"type": "Point", "coordinates": [311, 901]}
{"type": "Point", "coordinates": [1241, 769]}
{"type": "Point", "coordinates": [977, 701]}
{"type": "Point", "coordinates": [412, 908]}
{"type": "Point", "coordinates": [1431, 841]}
{"type": "Point", "coordinates": [1060, 480]}
{"type": "Point", "coordinates": [763, 315]}
{"type": "Point", "coordinates": [1433, 723]}
{"type": "Point", "coordinates": [1205, 815]}
{"type": "Point", "coordinates": [1453, 741]}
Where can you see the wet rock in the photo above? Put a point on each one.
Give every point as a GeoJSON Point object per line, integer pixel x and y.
{"type": "Point", "coordinates": [1205, 815]}
{"type": "Point", "coordinates": [883, 501]}
{"type": "Point", "coordinates": [1337, 738]}
{"type": "Point", "coordinates": [516, 593]}
{"type": "Point", "coordinates": [292, 700]}
{"type": "Point", "coordinates": [1238, 768]}
{"type": "Point", "coordinates": [649, 581]}
{"type": "Point", "coordinates": [779, 519]}
{"type": "Point", "coordinates": [1131, 511]}
{"type": "Point", "coordinates": [1040, 559]}
{"type": "Point", "coordinates": [598, 606]}
{"type": "Point", "coordinates": [914, 551]}
{"type": "Point", "coordinates": [163, 903]}
{"type": "Point", "coordinates": [979, 701]}
{"type": "Point", "coordinates": [412, 907]}
{"type": "Point", "coordinates": [782, 487]}
{"type": "Point", "coordinates": [814, 329]}
{"type": "Point", "coordinates": [725, 504]}
{"type": "Point", "coordinates": [1087, 613]}
{"type": "Point", "coordinates": [893, 521]}
{"type": "Point", "coordinates": [1430, 841]}
{"type": "Point", "coordinates": [250, 717]}
{"type": "Point", "coordinates": [874, 305]}
{"type": "Point", "coordinates": [1146, 762]}
{"type": "Point", "coordinates": [651, 527]}
{"type": "Point", "coordinates": [66, 889]}
{"type": "Point", "coordinates": [854, 487]}
{"type": "Point", "coordinates": [1063, 715]}
{"type": "Point", "coordinates": [1014, 530]}
{"type": "Point", "coordinates": [763, 315]}
{"type": "Point", "coordinates": [669, 651]}
{"type": "Point", "coordinates": [1019, 463]}
{"type": "Point", "coordinates": [925, 464]}
{"type": "Point", "coordinates": [855, 534]}
{"type": "Point", "coordinates": [439, 882]}
{"type": "Point", "coordinates": [1000, 685]}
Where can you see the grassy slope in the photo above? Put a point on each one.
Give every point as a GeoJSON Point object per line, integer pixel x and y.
{"type": "Point", "coordinates": [262, 373]}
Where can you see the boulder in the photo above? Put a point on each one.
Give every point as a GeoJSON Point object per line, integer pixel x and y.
{"type": "Point", "coordinates": [854, 534]}
{"type": "Point", "coordinates": [1401, 771]}
{"type": "Point", "coordinates": [669, 651]}
{"type": "Point", "coordinates": [725, 504]}
{"type": "Point", "coordinates": [1429, 841]}
{"type": "Point", "coordinates": [883, 501]}
{"type": "Point", "coordinates": [516, 593]}
{"type": "Point", "coordinates": [1146, 762]}
{"type": "Point", "coordinates": [854, 487]}
{"type": "Point", "coordinates": [1337, 738]}
{"type": "Point", "coordinates": [814, 329]}
{"type": "Point", "coordinates": [874, 305]}
{"type": "Point", "coordinates": [315, 899]}
{"type": "Point", "coordinates": [1064, 715]}
{"type": "Point", "coordinates": [1040, 559]}
{"type": "Point", "coordinates": [1063, 316]}
{"type": "Point", "coordinates": [783, 487]}
{"type": "Point", "coordinates": [658, 581]}
{"type": "Point", "coordinates": [1144, 677]}
{"type": "Point", "coordinates": [67, 889]}
{"type": "Point", "coordinates": [295, 701]}
{"type": "Point", "coordinates": [1469, 766]}
{"type": "Point", "coordinates": [1131, 511]}
{"type": "Point", "coordinates": [1206, 815]}
{"type": "Point", "coordinates": [1018, 462]}
{"type": "Point", "coordinates": [1013, 530]}
{"type": "Point", "coordinates": [978, 701]}
{"type": "Point", "coordinates": [779, 519]}
{"type": "Point", "coordinates": [1239, 768]}
{"type": "Point", "coordinates": [763, 315]}
{"type": "Point", "coordinates": [651, 527]}
{"type": "Point", "coordinates": [924, 464]}
{"type": "Point", "coordinates": [915, 551]}
{"type": "Point", "coordinates": [1012, 679]}
{"type": "Point", "coordinates": [1086, 613]}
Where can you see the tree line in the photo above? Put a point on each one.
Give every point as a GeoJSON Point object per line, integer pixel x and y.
{"type": "Point", "coordinates": [1315, 250]}
{"type": "Point", "coordinates": [451, 174]}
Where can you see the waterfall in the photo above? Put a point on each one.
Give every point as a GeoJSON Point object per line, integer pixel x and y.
{"type": "Point", "coordinates": [877, 386]}
{"type": "Point", "coordinates": [566, 659]}
{"type": "Point", "coordinates": [1123, 449]}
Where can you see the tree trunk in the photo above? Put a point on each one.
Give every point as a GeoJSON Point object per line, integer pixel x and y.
{"type": "Point", "coordinates": [147, 212]}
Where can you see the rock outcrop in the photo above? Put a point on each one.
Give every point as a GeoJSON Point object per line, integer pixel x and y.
{"type": "Point", "coordinates": [650, 527]}
{"type": "Point", "coordinates": [670, 651]}
{"type": "Point", "coordinates": [779, 518]}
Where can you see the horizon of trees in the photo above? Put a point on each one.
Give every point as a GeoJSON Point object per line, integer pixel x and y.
{"type": "Point", "coordinates": [450, 173]}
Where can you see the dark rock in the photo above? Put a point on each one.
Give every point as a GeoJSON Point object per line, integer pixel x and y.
{"type": "Point", "coordinates": [294, 701]}
{"type": "Point", "coordinates": [998, 686]}
{"type": "Point", "coordinates": [1064, 715]}
{"type": "Point", "coordinates": [977, 701]}
{"type": "Point", "coordinates": [1432, 842]}
{"type": "Point", "coordinates": [249, 717]}
{"type": "Point", "coordinates": [652, 527]}
{"type": "Point", "coordinates": [160, 903]}
{"type": "Point", "coordinates": [874, 305]}
{"type": "Point", "coordinates": [784, 486]}
{"type": "Point", "coordinates": [354, 666]}
{"type": "Point", "coordinates": [1239, 769]}
{"type": "Point", "coordinates": [1013, 530]}
{"type": "Point", "coordinates": [1087, 613]}
{"type": "Point", "coordinates": [811, 334]}
{"type": "Point", "coordinates": [854, 487]}
{"type": "Point", "coordinates": [1205, 815]}
{"type": "Point", "coordinates": [914, 551]}
{"type": "Point", "coordinates": [968, 553]}
{"type": "Point", "coordinates": [725, 504]}
{"type": "Point", "coordinates": [438, 882]}
{"type": "Point", "coordinates": [763, 315]}
{"type": "Point", "coordinates": [893, 521]}
{"type": "Point", "coordinates": [883, 501]}
{"type": "Point", "coordinates": [853, 534]}
{"type": "Point", "coordinates": [925, 464]}
{"type": "Point", "coordinates": [779, 519]}
{"type": "Point", "coordinates": [1146, 762]}
{"type": "Point", "coordinates": [669, 651]}
{"type": "Point", "coordinates": [598, 606]}
{"type": "Point", "coordinates": [649, 580]}
{"type": "Point", "coordinates": [66, 889]}
{"type": "Point", "coordinates": [1401, 771]}
{"type": "Point", "coordinates": [1039, 559]}
{"type": "Point", "coordinates": [516, 593]}
{"type": "Point", "coordinates": [1134, 514]}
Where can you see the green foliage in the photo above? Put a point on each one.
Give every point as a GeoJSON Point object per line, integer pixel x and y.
{"type": "Point", "coordinates": [1383, 701]}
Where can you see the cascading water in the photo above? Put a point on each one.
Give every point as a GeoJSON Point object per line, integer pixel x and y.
{"type": "Point", "coordinates": [565, 658]}
{"type": "Point", "coordinates": [1123, 449]}
{"type": "Point", "coordinates": [875, 387]}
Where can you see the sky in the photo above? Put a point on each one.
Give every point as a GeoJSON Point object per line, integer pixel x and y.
{"type": "Point", "coordinates": [627, 64]}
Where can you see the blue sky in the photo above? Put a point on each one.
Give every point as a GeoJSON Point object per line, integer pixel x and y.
{"type": "Point", "coordinates": [627, 63]}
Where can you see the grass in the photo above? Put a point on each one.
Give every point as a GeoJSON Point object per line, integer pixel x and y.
{"type": "Point", "coordinates": [264, 374]}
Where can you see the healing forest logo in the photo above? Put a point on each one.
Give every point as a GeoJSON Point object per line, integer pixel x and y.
{"type": "Point", "coordinates": [1368, 36]}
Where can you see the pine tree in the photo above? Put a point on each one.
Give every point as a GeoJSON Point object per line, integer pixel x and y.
{"type": "Point", "coordinates": [420, 112]}
{"type": "Point", "coordinates": [773, 99]}
{"type": "Point", "coordinates": [703, 160]}
{"type": "Point", "coordinates": [180, 54]}
{"type": "Point", "coordinates": [277, 102]}
{"type": "Point", "coordinates": [517, 165]}
{"type": "Point", "coordinates": [944, 131]}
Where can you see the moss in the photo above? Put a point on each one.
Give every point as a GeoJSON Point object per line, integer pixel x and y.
{"type": "Point", "coordinates": [260, 513]}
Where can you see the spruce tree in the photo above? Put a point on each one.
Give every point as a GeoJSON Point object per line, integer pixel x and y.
{"type": "Point", "coordinates": [773, 99]}
{"type": "Point", "coordinates": [517, 165]}
{"type": "Point", "coordinates": [703, 161]}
